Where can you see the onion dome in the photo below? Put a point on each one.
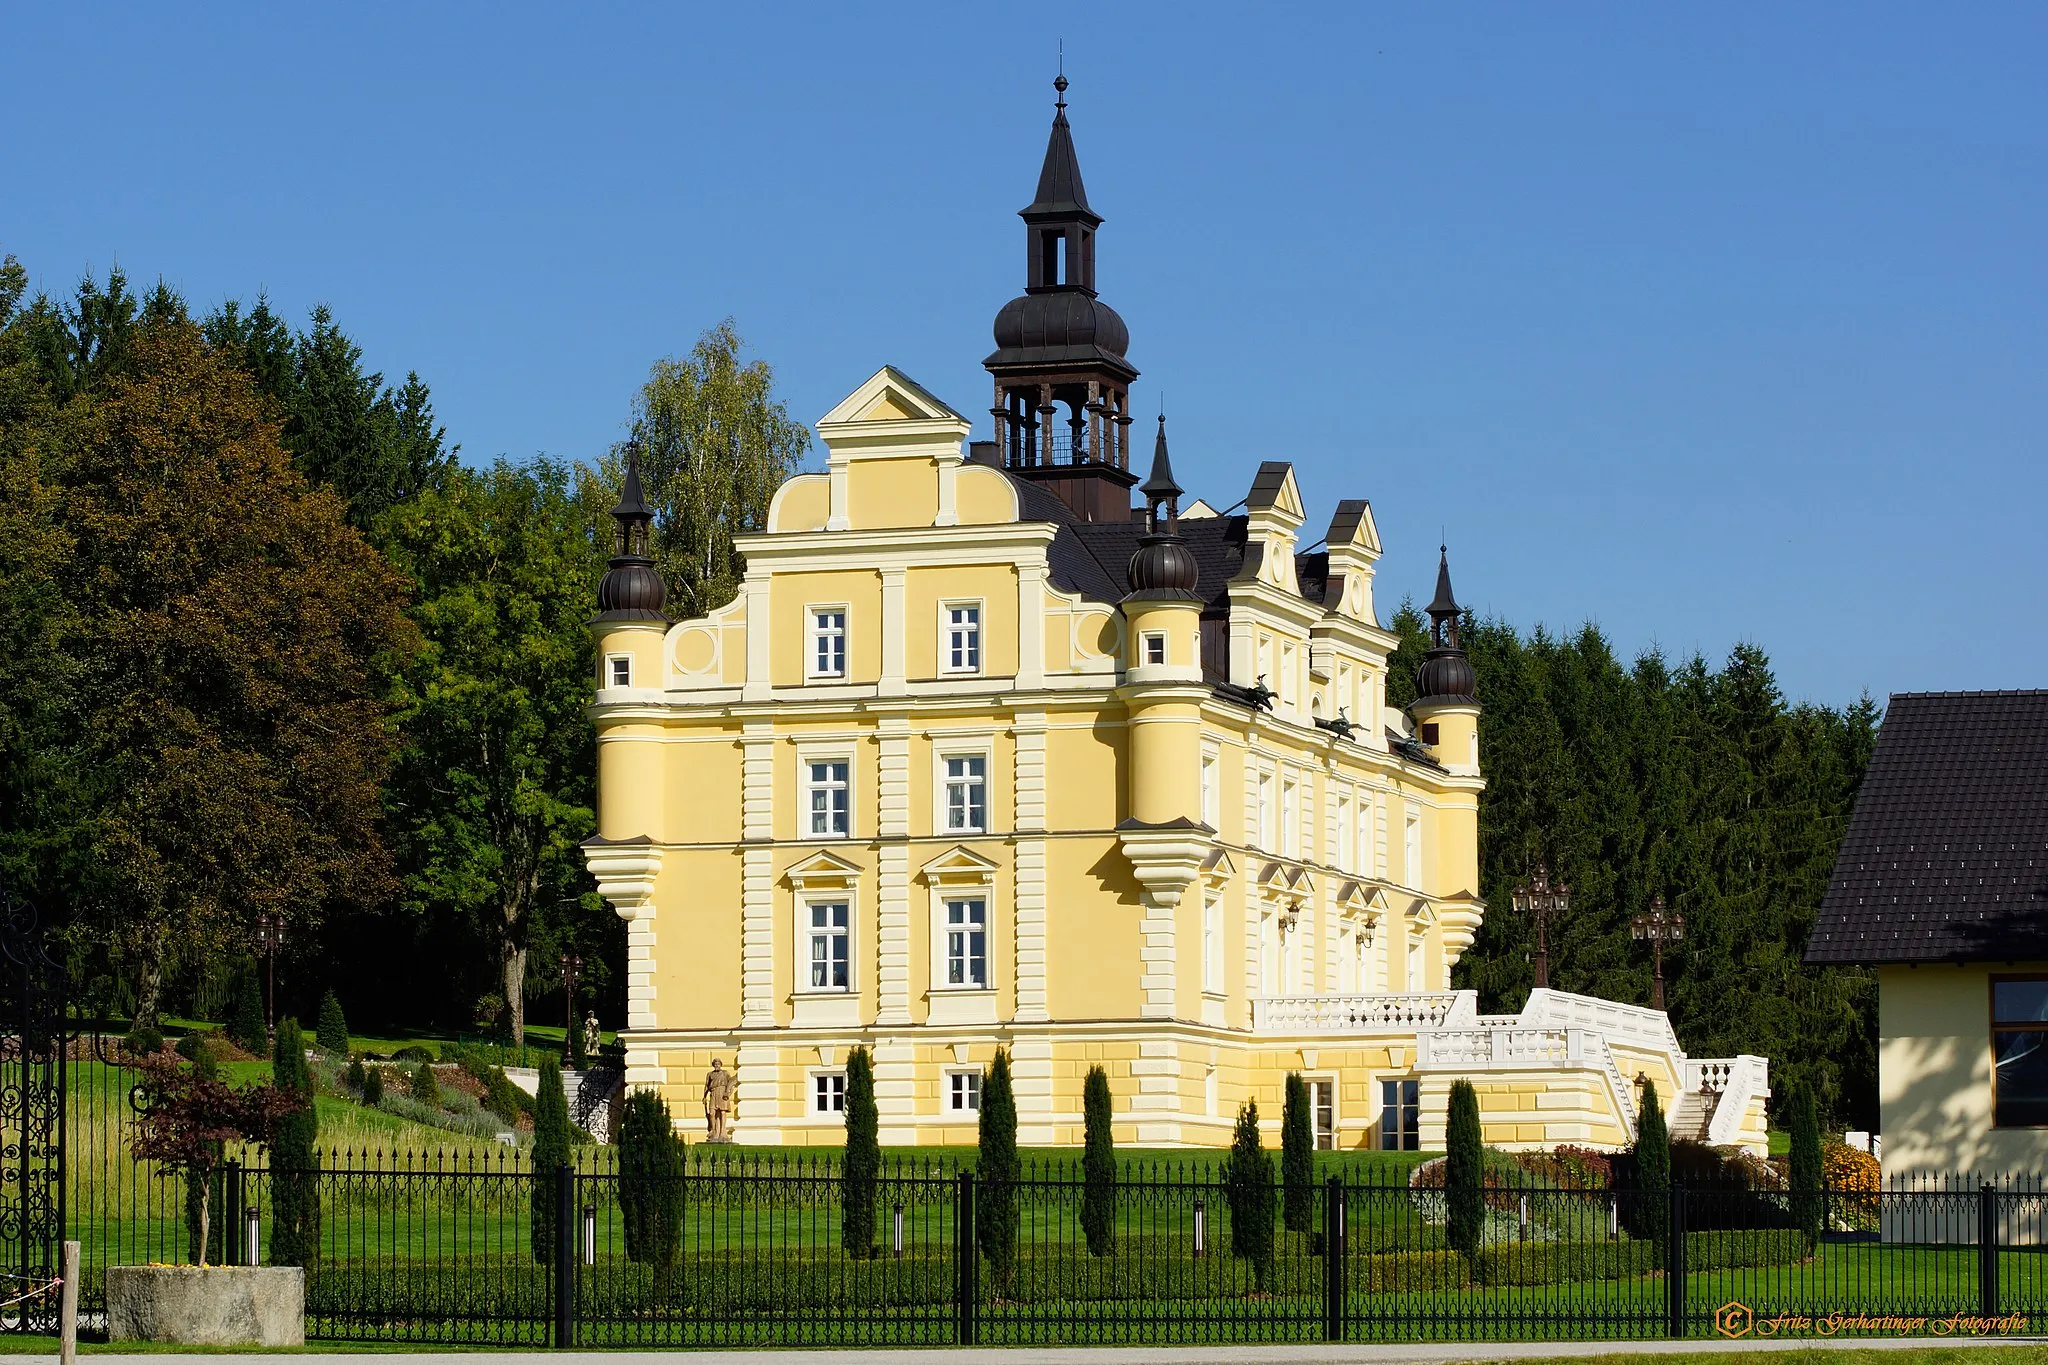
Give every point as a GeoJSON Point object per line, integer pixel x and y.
{"type": "Point", "coordinates": [1163, 568]}
{"type": "Point", "coordinates": [1068, 326]}
{"type": "Point", "coordinates": [631, 589]}
{"type": "Point", "coordinates": [1446, 675]}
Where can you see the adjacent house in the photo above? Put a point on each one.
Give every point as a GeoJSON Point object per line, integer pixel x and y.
{"type": "Point", "coordinates": [1942, 886]}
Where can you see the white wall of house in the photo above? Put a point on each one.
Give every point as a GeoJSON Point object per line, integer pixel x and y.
{"type": "Point", "coordinates": [1935, 1076]}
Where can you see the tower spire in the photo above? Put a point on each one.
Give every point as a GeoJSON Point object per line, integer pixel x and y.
{"type": "Point", "coordinates": [632, 588]}
{"type": "Point", "coordinates": [1446, 674]}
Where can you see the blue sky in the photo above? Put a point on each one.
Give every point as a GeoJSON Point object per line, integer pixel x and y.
{"type": "Point", "coordinates": [1703, 323]}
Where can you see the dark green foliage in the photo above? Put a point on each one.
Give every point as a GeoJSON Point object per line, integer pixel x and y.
{"type": "Point", "coordinates": [1464, 1171]}
{"type": "Point", "coordinates": [202, 1048]}
{"type": "Point", "coordinates": [355, 1077]}
{"type": "Point", "coordinates": [863, 1163]}
{"type": "Point", "coordinates": [551, 1140]}
{"type": "Point", "coordinates": [505, 1099]}
{"type": "Point", "coordinates": [413, 1052]}
{"type": "Point", "coordinates": [1098, 1165]}
{"type": "Point", "coordinates": [651, 1186]}
{"type": "Point", "coordinates": [1652, 1167]}
{"type": "Point", "coordinates": [998, 1170]}
{"type": "Point", "coordinates": [1248, 1182]}
{"type": "Point", "coordinates": [1806, 1173]}
{"type": "Point", "coordinates": [207, 1064]}
{"type": "Point", "coordinates": [332, 1031]}
{"type": "Point", "coordinates": [424, 1087]}
{"type": "Point", "coordinates": [144, 1041]}
{"type": "Point", "coordinates": [373, 1086]}
{"type": "Point", "coordinates": [245, 1018]}
{"type": "Point", "coordinates": [1297, 1157]}
{"type": "Point", "coordinates": [577, 1059]}
{"type": "Point", "coordinates": [294, 1157]}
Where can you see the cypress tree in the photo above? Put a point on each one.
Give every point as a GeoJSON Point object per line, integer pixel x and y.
{"type": "Point", "coordinates": [1098, 1165]}
{"type": "Point", "coordinates": [1297, 1157]}
{"type": "Point", "coordinates": [425, 1088]}
{"type": "Point", "coordinates": [331, 1033]}
{"type": "Point", "coordinates": [1248, 1183]}
{"type": "Point", "coordinates": [1464, 1171]}
{"type": "Point", "coordinates": [373, 1086]}
{"type": "Point", "coordinates": [996, 1213]}
{"type": "Point", "coordinates": [245, 1016]}
{"type": "Point", "coordinates": [1806, 1172]}
{"type": "Point", "coordinates": [550, 1154]}
{"type": "Point", "coordinates": [651, 1186]}
{"type": "Point", "coordinates": [1653, 1167]}
{"type": "Point", "coordinates": [294, 1158]}
{"type": "Point", "coordinates": [862, 1168]}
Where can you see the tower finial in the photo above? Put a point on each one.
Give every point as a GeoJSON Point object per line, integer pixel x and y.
{"type": "Point", "coordinates": [1059, 82]}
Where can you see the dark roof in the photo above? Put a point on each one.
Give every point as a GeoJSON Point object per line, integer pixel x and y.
{"type": "Point", "coordinates": [1059, 181]}
{"type": "Point", "coordinates": [1445, 603]}
{"type": "Point", "coordinates": [1093, 558]}
{"type": "Point", "coordinates": [1946, 858]}
{"type": "Point", "coordinates": [1159, 483]}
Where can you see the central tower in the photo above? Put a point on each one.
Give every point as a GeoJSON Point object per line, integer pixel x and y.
{"type": "Point", "coordinates": [1063, 387]}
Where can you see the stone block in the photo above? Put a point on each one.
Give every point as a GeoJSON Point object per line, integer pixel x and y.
{"type": "Point", "coordinates": [210, 1306]}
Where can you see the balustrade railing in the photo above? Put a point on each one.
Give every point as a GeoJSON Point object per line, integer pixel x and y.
{"type": "Point", "coordinates": [1365, 1013]}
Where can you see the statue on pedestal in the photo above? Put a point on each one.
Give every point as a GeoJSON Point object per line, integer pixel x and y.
{"type": "Point", "coordinates": [592, 1038]}
{"type": "Point", "coordinates": [718, 1088]}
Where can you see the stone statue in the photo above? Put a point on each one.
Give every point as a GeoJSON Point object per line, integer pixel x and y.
{"type": "Point", "coordinates": [718, 1087]}
{"type": "Point", "coordinates": [592, 1038]}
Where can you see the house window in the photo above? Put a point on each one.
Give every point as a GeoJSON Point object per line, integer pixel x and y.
{"type": "Point", "coordinates": [1290, 825]}
{"type": "Point", "coordinates": [1400, 1116]}
{"type": "Point", "coordinates": [963, 638]}
{"type": "Point", "coordinates": [1155, 647]}
{"type": "Point", "coordinates": [828, 643]}
{"type": "Point", "coordinates": [967, 793]}
{"type": "Point", "coordinates": [1287, 696]}
{"type": "Point", "coordinates": [1211, 816]}
{"type": "Point", "coordinates": [967, 942]}
{"type": "Point", "coordinates": [1265, 827]}
{"type": "Point", "coordinates": [829, 931]}
{"type": "Point", "coordinates": [1411, 851]}
{"type": "Point", "coordinates": [2019, 1052]}
{"type": "Point", "coordinates": [1414, 965]}
{"type": "Point", "coordinates": [828, 1092]}
{"type": "Point", "coordinates": [1212, 942]}
{"type": "Point", "coordinates": [619, 669]}
{"type": "Point", "coordinates": [1322, 1097]}
{"type": "Point", "coordinates": [1429, 734]}
{"type": "Point", "coordinates": [827, 786]}
{"type": "Point", "coordinates": [963, 1092]}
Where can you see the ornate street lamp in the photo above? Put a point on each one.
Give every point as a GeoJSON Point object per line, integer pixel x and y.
{"type": "Point", "coordinates": [269, 937]}
{"type": "Point", "coordinates": [1539, 900]}
{"type": "Point", "coordinates": [1657, 928]}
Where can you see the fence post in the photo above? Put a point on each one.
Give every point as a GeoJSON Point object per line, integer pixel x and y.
{"type": "Point", "coordinates": [968, 1273]}
{"type": "Point", "coordinates": [565, 1257]}
{"type": "Point", "coordinates": [230, 1214]}
{"type": "Point", "coordinates": [1333, 1259]}
{"type": "Point", "coordinates": [1987, 1250]}
{"type": "Point", "coordinates": [1674, 1264]}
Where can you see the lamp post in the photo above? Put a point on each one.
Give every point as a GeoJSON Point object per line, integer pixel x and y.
{"type": "Point", "coordinates": [269, 934]}
{"type": "Point", "coordinates": [571, 964]}
{"type": "Point", "coordinates": [1539, 900]}
{"type": "Point", "coordinates": [1657, 927]}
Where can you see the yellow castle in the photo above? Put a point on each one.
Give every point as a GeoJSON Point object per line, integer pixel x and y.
{"type": "Point", "coordinates": [983, 756]}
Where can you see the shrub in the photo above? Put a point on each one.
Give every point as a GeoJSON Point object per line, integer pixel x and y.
{"type": "Point", "coordinates": [202, 1049]}
{"type": "Point", "coordinates": [651, 1186]}
{"type": "Point", "coordinates": [1248, 1183]}
{"type": "Point", "coordinates": [1098, 1165]}
{"type": "Point", "coordinates": [1652, 1152]}
{"type": "Point", "coordinates": [863, 1162]}
{"type": "Point", "coordinates": [373, 1085]}
{"type": "Point", "coordinates": [1569, 1167]}
{"type": "Point", "coordinates": [424, 1087]}
{"type": "Point", "coordinates": [144, 1042]}
{"type": "Point", "coordinates": [331, 1033]}
{"type": "Point", "coordinates": [550, 1153]}
{"type": "Point", "coordinates": [294, 1182]}
{"type": "Point", "coordinates": [355, 1077]}
{"type": "Point", "coordinates": [1464, 1171]}
{"type": "Point", "coordinates": [1853, 1177]}
{"type": "Point", "coordinates": [1297, 1157]}
{"type": "Point", "coordinates": [245, 1017]}
{"type": "Point", "coordinates": [413, 1052]}
{"type": "Point", "coordinates": [503, 1098]}
{"type": "Point", "coordinates": [996, 1216]}
{"type": "Point", "coordinates": [1805, 1170]}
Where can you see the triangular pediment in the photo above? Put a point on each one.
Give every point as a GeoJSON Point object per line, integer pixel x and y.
{"type": "Point", "coordinates": [1420, 914]}
{"type": "Point", "coordinates": [823, 869]}
{"type": "Point", "coordinates": [959, 865]}
{"type": "Point", "coordinates": [890, 395]}
{"type": "Point", "coordinates": [1218, 867]}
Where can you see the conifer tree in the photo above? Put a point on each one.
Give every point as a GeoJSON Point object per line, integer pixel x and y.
{"type": "Point", "coordinates": [331, 1033]}
{"type": "Point", "coordinates": [1806, 1169]}
{"type": "Point", "coordinates": [425, 1087]}
{"type": "Point", "coordinates": [550, 1154]}
{"type": "Point", "coordinates": [1653, 1168]}
{"type": "Point", "coordinates": [245, 1018]}
{"type": "Point", "coordinates": [1098, 1165]}
{"type": "Point", "coordinates": [1464, 1171]}
{"type": "Point", "coordinates": [294, 1156]}
{"type": "Point", "coordinates": [1297, 1157]}
{"type": "Point", "coordinates": [651, 1186]}
{"type": "Point", "coordinates": [1248, 1183]}
{"type": "Point", "coordinates": [998, 1171]}
{"type": "Point", "coordinates": [861, 1170]}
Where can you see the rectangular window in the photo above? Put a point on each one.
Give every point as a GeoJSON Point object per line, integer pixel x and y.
{"type": "Point", "coordinates": [830, 932]}
{"type": "Point", "coordinates": [1155, 648]}
{"type": "Point", "coordinates": [1322, 1097]}
{"type": "Point", "coordinates": [967, 943]}
{"type": "Point", "coordinates": [1400, 1116]}
{"type": "Point", "coordinates": [1414, 965]}
{"type": "Point", "coordinates": [1290, 824]}
{"type": "Point", "coordinates": [1265, 812]}
{"type": "Point", "coordinates": [963, 1092]}
{"type": "Point", "coordinates": [1411, 851]}
{"type": "Point", "coordinates": [828, 643]}
{"type": "Point", "coordinates": [1212, 942]}
{"type": "Point", "coordinates": [829, 798]}
{"type": "Point", "coordinates": [2019, 1052]}
{"type": "Point", "coordinates": [1211, 816]}
{"type": "Point", "coordinates": [621, 666]}
{"type": "Point", "coordinates": [1343, 859]}
{"type": "Point", "coordinates": [828, 1092]}
{"type": "Point", "coordinates": [963, 639]}
{"type": "Point", "coordinates": [967, 793]}
{"type": "Point", "coordinates": [1287, 697]}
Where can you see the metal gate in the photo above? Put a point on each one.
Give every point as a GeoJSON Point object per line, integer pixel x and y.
{"type": "Point", "coordinates": [32, 1082]}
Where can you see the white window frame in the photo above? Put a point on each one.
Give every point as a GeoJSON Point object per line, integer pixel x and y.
{"type": "Point", "coordinates": [1290, 816]}
{"type": "Point", "coordinates": [1212, 942]}
{"type": "Point", "coordinates": [819, 1088]}
{"type": "Point", "coordinates": [1336, 1094]}
{"type": "Point", "coordinates": [976, 643]}
{"type": "Point", "coordinates": [807, 906]}
{"type": "Point", "coordinates": [815, 635]}
{"type": "Point", "coordinates": [947, 781]}
{"type": "Point", "coordinates": [965, 930]}
{"type": "Point", "coordinates": [1212, 775]}
{"type": "Point", "coordinates": [1150, 643]}
{"type": "Point", "coordinates": [611, 670]}
{"type": "Point", "coordinates": [808, 785]}
{"type": "Point", "coordinates": [1341, 855]}
{"type": "Point", "coordinates": [1262, 828]}
{"type": "Point", "coordinates": [955, 1090]}
{"type": "Point", "coordinates": [1411, 848]}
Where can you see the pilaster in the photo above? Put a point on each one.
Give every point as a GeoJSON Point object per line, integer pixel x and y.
{"type": "Point", "coordinates": [1031, 625]}
{"type": "Point", "coordinates": [757, 865]}
{"type": "Point", "coordinates": [896, 1091]}
{"type": "Point", "coordinates": [1030, 791]}
{"type": "Point", "coordinates": [757, 1111]}
{"type": "Point", "coordinates": [758, 683]}
{"type": "Point", "coordinates": [894, 670]}
{"type": "Point", "coordinates": [892, 899]}
{"type": "Point", "coordinates": [1031, 1077]}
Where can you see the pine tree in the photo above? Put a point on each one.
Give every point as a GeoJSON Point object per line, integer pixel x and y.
{"type": "Point", "coordinates": [332, 1031]}
{"type": "Point", "coordinates": [1807, 1172]}
{"type": "Point", "coordinates": [1464, 1171]}
{"type": "Point", "coordinates": [1297, 1157]}
{"type": "Point", "coordinates": [1248, 1182]}
{"type": "Point", "coordinates": [1653, 1168]}
{"type": "Point", "coordinates": [550, 1154]}
{"type": "Point", "coordinates": [425, 1088]}
{"type": "Point", "coordinates": [1098, 1165]}
{"type": "Point", "coordinates": [862, 1167]}
{"type": "Point", "coordinates": [373, 1086]}
{"type": "Point", "coordinates": [651, 1186]}
{"type": "Point", "coordinates": [998, 1171]}
{"type": "Point", "coordinates": [245, 1018]}
{"type": "Point", "coordinates": [294, 1157]}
